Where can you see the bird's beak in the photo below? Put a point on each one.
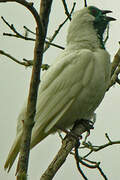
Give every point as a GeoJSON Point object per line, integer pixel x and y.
{"type": "Point", "coordinates": [108, 18]}
{"type": "Point", "coordinates": [106, 11]}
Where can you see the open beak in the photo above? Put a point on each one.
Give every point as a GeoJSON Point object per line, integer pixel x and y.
{"type": "Point", "coordinates": [108, 18]}
{"type": "Point", "coordinates": [106, 11]}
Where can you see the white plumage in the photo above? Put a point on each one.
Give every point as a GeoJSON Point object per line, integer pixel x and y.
{"type": "Point", "coordinates": [73, 87]}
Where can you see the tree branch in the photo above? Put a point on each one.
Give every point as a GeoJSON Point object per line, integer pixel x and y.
{"type": "Point", "coordinates": [35, 79]}
{"type": "Point", "coordinates": [20, 36]}
{"type": "Point", "coordinates": [66, 9]}
{"type": "Point", "coordinates": [78, 163]}
{"type": "Point", "coordinates": [59, 28]}
{"type": "Point", "coordinates": [85, 3]}
{"type": "Point", "coordinates": [115, 62]}
{"type": "Point", "coordinates": [115, 70]}
{"type": "Point", "coordinates": [32, 98]}
{"type": "Point", "coordinates": [93, 148]}
{"type": "Point", "coordinates": [26, 63]}
{"type": "Point", "coordinates": [68, 144]}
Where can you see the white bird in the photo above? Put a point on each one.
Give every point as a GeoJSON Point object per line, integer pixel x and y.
{"type": "Point", "coordinates": [73, 87]}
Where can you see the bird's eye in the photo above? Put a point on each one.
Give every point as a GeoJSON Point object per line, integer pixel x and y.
{"type": "Point", "coordinates": [94, 12]}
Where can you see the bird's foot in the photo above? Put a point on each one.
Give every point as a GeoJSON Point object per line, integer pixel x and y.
{"type": "Point", "coordinates": [70, 133]}
{"type": "Point", "coordinates": [88, 124]}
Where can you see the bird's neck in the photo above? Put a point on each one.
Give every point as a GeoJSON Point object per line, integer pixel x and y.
{"type": "Point", "coordinates": [82, 36]}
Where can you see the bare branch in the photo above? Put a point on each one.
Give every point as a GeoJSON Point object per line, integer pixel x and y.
{"type": "Point", "coordinates": [96, 166]}
{"type": "Point", "coordinates": [27, 63]}
{"type": "Point", "coordinates": [98, 148]}
{"type": "Point", "coordinates": [27, 29]}
{"type": "Point", "coordinates": [81, 160]}
{"type": "Point", "coordinates": [59, 28]}
{"type": "Point", "coordinates": [32, 98]}
{"type": "Point", "coordinates": [18, 35]}
{"type": "Point", "coordinates": [66, 9]}
{"type": "Point", "coordinates": [78, 164]}
{"type": "Point", "coordinates": [85, 3]}
{"type": "Point", "coordinates": [114, 77]}
{"type": "Point", "coordinates": [68, 144]}
{"type": "Point", "coordinates": [115, 70]}
{"type": "Point", "coordinates": [115, 62]}
{"type": "Point", "coordinates": [102, 173]}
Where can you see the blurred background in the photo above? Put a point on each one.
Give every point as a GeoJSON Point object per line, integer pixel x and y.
{"type": "Point", "coordinates": [14, 86]}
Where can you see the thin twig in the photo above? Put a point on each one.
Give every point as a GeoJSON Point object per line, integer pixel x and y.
{"type": "Point", "coordinates": [31, 39]}
{"type": "Point", "coordinates": [58, 29]}
{"type": "Point", "coordinates": [102, 173]}
{"type": "Point", "coordinates": [90, 152]}
{"type": "Point", "coordinates": [27, 29]}
{"type": "Point", "coordinates": [78, 164]}
{"type": "Point", "coordinates": [96, 166]}
{"type": "Point", "coordinates": [85, 3]}
{"type": "Point", "coordinates": [98, 148]}
{"type": "Point", "coordinates": [108, 138]}
{"type": "Point", "coordinates": [26, 64]}
{"type": "Point", "coordinates": [66, 9]}
{"type": "Point", "coordinates": [18, 35]}
{"type": "Point", "coordinates": [81, 160]}
{"type": "Point", "coordinates": [88, 165]}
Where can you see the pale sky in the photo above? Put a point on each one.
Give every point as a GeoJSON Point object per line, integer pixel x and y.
{"type": "Point", "coordinates": [14, 81]}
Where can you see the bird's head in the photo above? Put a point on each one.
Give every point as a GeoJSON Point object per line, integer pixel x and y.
{"type": "Point", "coordinates": [86, 24]}
{"type": "Point", "coordinates": [101, 20]}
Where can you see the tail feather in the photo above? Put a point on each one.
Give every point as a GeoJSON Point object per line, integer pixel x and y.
{"type": "Point", "coordinates": [36, 138]}
{"type": "Point", "coordinates": [13, 153]}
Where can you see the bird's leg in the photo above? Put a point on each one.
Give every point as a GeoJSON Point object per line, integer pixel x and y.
{"type": "Point", "coordinates": [88, 124]}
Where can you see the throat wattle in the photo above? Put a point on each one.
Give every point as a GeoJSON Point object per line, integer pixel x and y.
{"type": "Point", "coordinates": [100, 27]}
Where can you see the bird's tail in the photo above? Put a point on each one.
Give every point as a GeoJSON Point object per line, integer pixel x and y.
{"type": "Point", "coordinates": [13, 153]}
{"type": "Point", "coordinates": [36, 138]}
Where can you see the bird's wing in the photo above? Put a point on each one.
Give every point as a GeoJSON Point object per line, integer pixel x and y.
{"type": "Point", "coordinates": [59, 89]}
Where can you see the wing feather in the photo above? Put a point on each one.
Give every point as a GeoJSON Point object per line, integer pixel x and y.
{"type": "Point", "coordinates": [59, 89]}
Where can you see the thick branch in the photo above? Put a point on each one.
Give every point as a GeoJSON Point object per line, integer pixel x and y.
{"type": "Point", "coordinates": [68, 144]}
{"type": "Point", "coordinates": [115, 70]}
{"type": "Point", "coordinates": [45, 7]}
{"type": "Point", "coordinates": [32, 98]}
{"type": "Point", "coordinates": [115, 62]}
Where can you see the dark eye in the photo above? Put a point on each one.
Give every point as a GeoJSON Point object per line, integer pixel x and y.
{"type": "Point", "coordinates": [94, 12]}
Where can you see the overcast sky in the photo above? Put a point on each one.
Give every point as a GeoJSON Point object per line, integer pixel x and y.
{"type": "Point", "coordinates": [14, 84]}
